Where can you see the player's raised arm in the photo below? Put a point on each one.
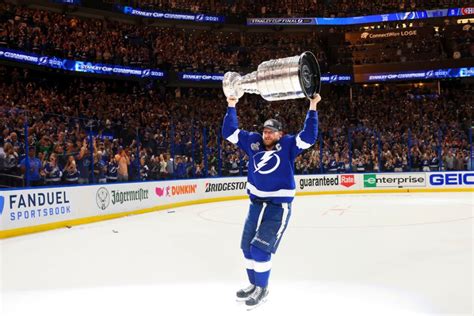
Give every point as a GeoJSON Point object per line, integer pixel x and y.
{"type": "Point", "coordinates": [230, 126]}
{"type": "Point", "coordinates": [308, 135]}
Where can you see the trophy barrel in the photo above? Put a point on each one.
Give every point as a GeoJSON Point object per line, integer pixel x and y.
{"type": "Point", "coordinates": [289, 78]}
{"type": "Point", "coordinates": [278, 79]}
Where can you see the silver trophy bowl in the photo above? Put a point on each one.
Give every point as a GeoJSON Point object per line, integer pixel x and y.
{"type": "Point", "coordinates": [278, 79]}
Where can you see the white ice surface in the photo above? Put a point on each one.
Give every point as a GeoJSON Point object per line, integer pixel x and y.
{"type": "Point", "coordinates": [378, 254]}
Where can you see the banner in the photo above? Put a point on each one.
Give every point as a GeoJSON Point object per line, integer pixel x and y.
{"type": "Point", "coordinates": [333, 78]}
{"type": "Point", "coordinates": [74, 2]}
{"type": "Point", "coordinates": [171, 15]}
{"type": "Point", "coordinates": [78, 66]}
{"type": "Point", "coordinates": [407, 33]}
{"type": "Point", "coordinates": [196, 76]}
{"type": "Point", "coordinates": [390, 17]}
{"type": "Point", "coordinates": [416, 75]}
{"type": "Point", "coordinates": [280, 21]}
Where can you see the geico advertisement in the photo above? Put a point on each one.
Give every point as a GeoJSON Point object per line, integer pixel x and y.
{"type": "Point", "coordinates": [451, 179]}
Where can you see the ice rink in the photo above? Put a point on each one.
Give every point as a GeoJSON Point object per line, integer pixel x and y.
{"type": "Point", "coordinates": [376, 254]}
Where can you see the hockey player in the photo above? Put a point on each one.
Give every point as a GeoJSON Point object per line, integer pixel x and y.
{"type": "Point", "coordinates": [271, 188]}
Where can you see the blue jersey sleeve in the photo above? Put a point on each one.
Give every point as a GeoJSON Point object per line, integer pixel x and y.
{"type": "Point", "coordinates": [231, 131]}
{"type": "Point", "coordinates": [308, 135]}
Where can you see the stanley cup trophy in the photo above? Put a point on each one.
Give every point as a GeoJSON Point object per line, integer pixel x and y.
{"type": "Point", "coordinates": [278, 79]}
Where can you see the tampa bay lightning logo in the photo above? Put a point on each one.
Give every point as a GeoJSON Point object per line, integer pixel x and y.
{"type": "Point", "coordinates": [146, 73]}
{"type": "Point", "coordinates": [43, 60]}
{"type": "Point", "coordinates": [333, 78]}
{"type": "Point", "coordinates": [266, 162]}
{"type": "Point", "coordinates": [200, 17]}
{"type": "Point", "coordinates": [407, 16]}
{"type": "Point", "coordinates": [127, 10]}
{"type": "Point", "coordinates": [429, 74]}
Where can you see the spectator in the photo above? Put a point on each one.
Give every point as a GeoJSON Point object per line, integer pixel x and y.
{"type": "Point", "coordinates": [51, 172]}
{"type": "Point", "coordinates": [112, 169]}
{"type": "Point", "coordinates": [71, 174]}
{"type": "Point", "coordinates": [34, 168]}
{"type": "Point", "coordinates": [84, 164]}
{"type": "Point", "coordinates": [123, 160]}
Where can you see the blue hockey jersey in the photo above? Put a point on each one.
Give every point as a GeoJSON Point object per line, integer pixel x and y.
{"type": "Point", "coordinates": [271, 173]}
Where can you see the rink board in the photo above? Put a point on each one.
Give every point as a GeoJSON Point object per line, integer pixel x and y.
{"type": "Point", "coordinates": [24, 211]}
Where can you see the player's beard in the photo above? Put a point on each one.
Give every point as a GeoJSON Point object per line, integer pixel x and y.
{"type": "Point", "coordinates": [270, 143]}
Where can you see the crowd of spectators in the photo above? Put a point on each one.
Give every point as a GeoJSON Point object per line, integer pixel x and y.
{"type": "Point", "coordinates": [82, 129]}
{"type": "Point", "coordinates": [428, 44]}
{"type": "Point", "coordinates": [127, 132]}
{"type": "Point", "coordinates": [459, 41]}
{"type": "Point", "coordinates": [171, 48]}
{"type": "Point", "coordinates": [293, 8]}
{"type": "Point", "coordinates": [106, 41]}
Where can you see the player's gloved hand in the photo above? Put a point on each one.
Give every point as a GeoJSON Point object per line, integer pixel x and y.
{"type": "Point", "coordinates": [232, 101]}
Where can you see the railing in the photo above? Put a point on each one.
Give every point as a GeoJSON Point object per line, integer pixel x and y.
{"type": "Point", "coordinates": [195, 152]}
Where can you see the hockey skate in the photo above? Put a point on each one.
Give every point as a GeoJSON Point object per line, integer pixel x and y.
{"type": "Point", "coordinates": [243, 294]}
{"type": "Point", "coordinates": [257, 298]}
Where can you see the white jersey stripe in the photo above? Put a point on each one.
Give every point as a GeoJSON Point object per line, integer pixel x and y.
{"type": "Point", "coordinates": [234, 138]}
{"type": "Point", "coordinates": [249, 264]}
{"type": "Point", "coordinates": [301, 144]}
{"type": "Point", "coordinates": [260, 217]}
{"type": "Point", "coordinates": [284, 218]}
{"type": "Point", "coordinates": [262, 266]}
{"type": "Point", "coordinates": [278, 193]}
